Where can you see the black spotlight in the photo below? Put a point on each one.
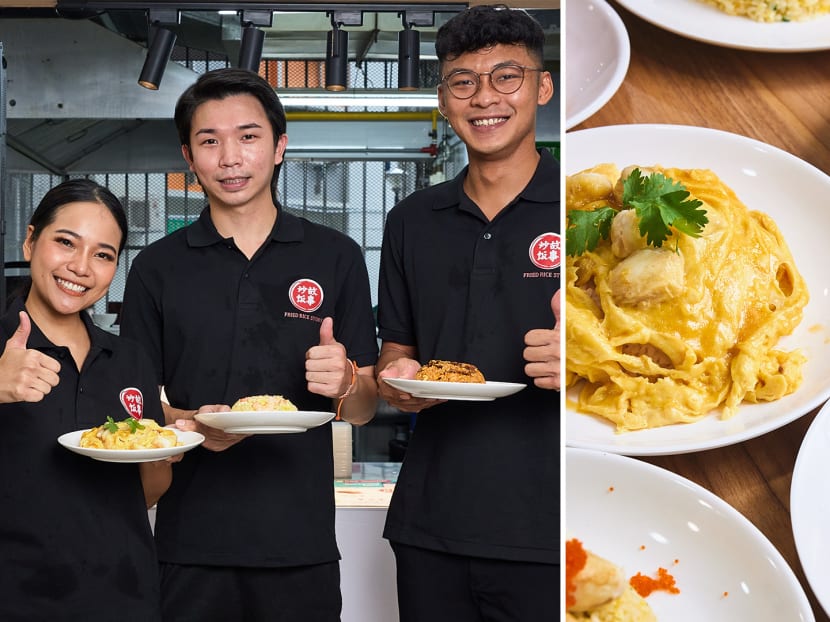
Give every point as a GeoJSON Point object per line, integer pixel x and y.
{"type": "Point", "coordinates": [159, 51]}
{"type": "Point", "coordinates": [250, 47]}
{"type": "Point", "coordinates": [337, 59]}
{"type": "Point", "coordinates": [250, 50]}
{"type": "Point", "coordinates": [409, 43]}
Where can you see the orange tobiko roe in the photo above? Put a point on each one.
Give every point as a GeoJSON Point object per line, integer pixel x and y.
{"type": "Point", "coordinates": [646, 585]}
{"type": "Point", "coordinates": [575, 560]}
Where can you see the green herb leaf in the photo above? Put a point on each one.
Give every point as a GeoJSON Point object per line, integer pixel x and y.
{"type": "Point", "coordinates": [111, 425]}
{"type": "Point", "coordinates": [133, 424]}
{"type": "Point", "coordinates": [661, 203]}
{"type": "Point", "coordinates": [586, 227]}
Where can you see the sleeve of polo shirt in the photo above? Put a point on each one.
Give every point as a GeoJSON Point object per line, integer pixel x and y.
{"type": "Point", "coordinates": [394, 306]}
{"type": "Point", "coordinates": [141, 320]}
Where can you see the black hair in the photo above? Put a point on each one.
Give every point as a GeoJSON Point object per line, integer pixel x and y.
{"type": "Point", "coordinates": [77, 191]}
{"type": "Point", "coordinates": [70, 191]}
{"type": "Point", "coordinates": [222, 83]}
{"type": "Point", "coordinates": [484, 26]}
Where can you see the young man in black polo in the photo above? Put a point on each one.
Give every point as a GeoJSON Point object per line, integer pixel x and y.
{"type": "Point", "coordinates": [469, 273]}
{"type": "Point", "coordinates": [250, 300]}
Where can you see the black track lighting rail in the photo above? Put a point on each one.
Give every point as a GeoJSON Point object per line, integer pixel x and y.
{"type": "Point", "coordinates": [379, 7]}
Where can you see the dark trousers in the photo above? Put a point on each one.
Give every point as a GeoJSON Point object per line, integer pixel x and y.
{"type": "Point", "coordinates": [220, 594]}
{"type": "Point", "coordinates": [439, 587]}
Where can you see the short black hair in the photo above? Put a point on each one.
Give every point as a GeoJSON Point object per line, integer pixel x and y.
{"type": "Point", "coordinates": [484, 26]}
{"type": "Point", "coordinates": [227, 82]}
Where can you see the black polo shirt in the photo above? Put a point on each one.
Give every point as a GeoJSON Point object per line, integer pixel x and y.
{"type": "Point", "coordinates": [479, 478]}
{"type": "Point", "coordinates": [75, 541]}
{"type": "Point", "coordinates": [220, 327]}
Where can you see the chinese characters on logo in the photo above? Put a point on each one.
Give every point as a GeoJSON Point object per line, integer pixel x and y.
{"type": "Point", "coordinates": [546, 251]}
{"type": "Point", "coordinates": [306, 295]}
{"type": "Point", "coordinates": [133, 402]}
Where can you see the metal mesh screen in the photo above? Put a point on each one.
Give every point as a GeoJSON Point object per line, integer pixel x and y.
{"type": "Point", "coordinates": [352, 197]}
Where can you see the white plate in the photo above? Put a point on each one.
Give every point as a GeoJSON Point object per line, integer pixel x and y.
{"type": "Point", "coordinates": [189, 440]}
{"type": "Point", "coordinates": [643, 517]}
{"type": "Point", "coordinates": [265, 421]}
{"type": "Point", "coordinates": [598, 52]}
{"type": "Point", "coordinates": [766, 179]}
{"type": "Point", "coordinates": [810, 505]}
{"type": "Point", "coordinates": [470, 391]}
{"type": "Point", "coordinates": [704, 22]}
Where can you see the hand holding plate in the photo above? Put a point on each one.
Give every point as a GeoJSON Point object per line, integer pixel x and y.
{"type": "Point", "coordinates": [215, 439]}
{"type": "Point", "coordinates": [403, 368]}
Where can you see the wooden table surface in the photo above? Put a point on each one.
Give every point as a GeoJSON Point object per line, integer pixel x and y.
{"type": "Point", "coordinates": [782, 99]}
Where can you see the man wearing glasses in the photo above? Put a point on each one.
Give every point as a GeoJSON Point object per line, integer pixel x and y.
{"type": "Point", "coordinates": [470, 273]}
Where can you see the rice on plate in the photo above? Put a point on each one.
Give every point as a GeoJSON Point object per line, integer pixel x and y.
{"type": "Point", "coordinates": [773, 10]}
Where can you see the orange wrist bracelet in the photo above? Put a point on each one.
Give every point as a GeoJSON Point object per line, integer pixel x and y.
{"type": "Point", "coordinates": [349, 390]}
{"type": "Point", "coordinates": [352, 383]}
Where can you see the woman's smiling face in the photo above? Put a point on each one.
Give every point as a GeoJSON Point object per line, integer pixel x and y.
{"type": "Point", "coordinates": [73, 260]}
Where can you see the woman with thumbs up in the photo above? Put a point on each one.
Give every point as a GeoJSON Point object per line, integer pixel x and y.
{"type": "Point", "coordinates": [75, 540]}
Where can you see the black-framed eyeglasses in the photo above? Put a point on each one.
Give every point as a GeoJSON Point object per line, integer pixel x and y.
{"type": "Point", "coordinates": [505, 79]}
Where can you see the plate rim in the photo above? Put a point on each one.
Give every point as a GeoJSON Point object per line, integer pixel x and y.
{"type": "Point", "coordinates": [275, 429]}
{"type": "Point", "coordinates": [323, 416]}
{"type": "Point", "coordinates": [697, 129]}
{"type": "Point", "coordinates": [106, 455]}
{"type": "Point", "coordinates": [500, 389]}
{"type": "Point", "coordinates": [642, 9]}
{"type": "Point", "coordinates": [256, 413]}
{"type": "Point", "coordinates": [717, 505]}
{"type": "Point", "coordinates": [613, 444]}
{"type": "Point", "coordinates": [623, 47]}
{"type": "Point", "coordinates": [818, 427]}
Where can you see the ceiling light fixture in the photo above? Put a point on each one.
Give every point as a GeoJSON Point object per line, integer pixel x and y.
{"type": "Point", "coordinates": [337, 49]}
{"type": "Point", "coordinates": [409, 55]}
{"type": "Point", "coordinates": [250, 49]}
{"type": "Point", "coordinates": [409, 48]}
{"type": "Point", "coordinates": [158, 53]}
{"type": "Point", "coordinates": [337, 59]}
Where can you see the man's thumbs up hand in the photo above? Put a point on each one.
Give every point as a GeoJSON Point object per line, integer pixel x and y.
{"type": "Point", "coordinates": [327, 332]}
{"type": "Point", "coordinates": [542, 353]}
{"type": "Point", "coordinates": [555, 306]}
{"type": "Point", "coordinates": [327, 369]}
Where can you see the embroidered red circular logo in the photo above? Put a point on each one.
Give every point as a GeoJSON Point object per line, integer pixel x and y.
{"type": "Point", "coordinates": [306, 295]}
{"type": "Point", "coordinates": [133, 402]}
{"type": "Point", "coordinates": [546, 251]}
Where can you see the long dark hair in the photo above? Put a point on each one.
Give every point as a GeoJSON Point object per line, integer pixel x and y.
{"type": "Point", "coordinates": [222, 83]}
